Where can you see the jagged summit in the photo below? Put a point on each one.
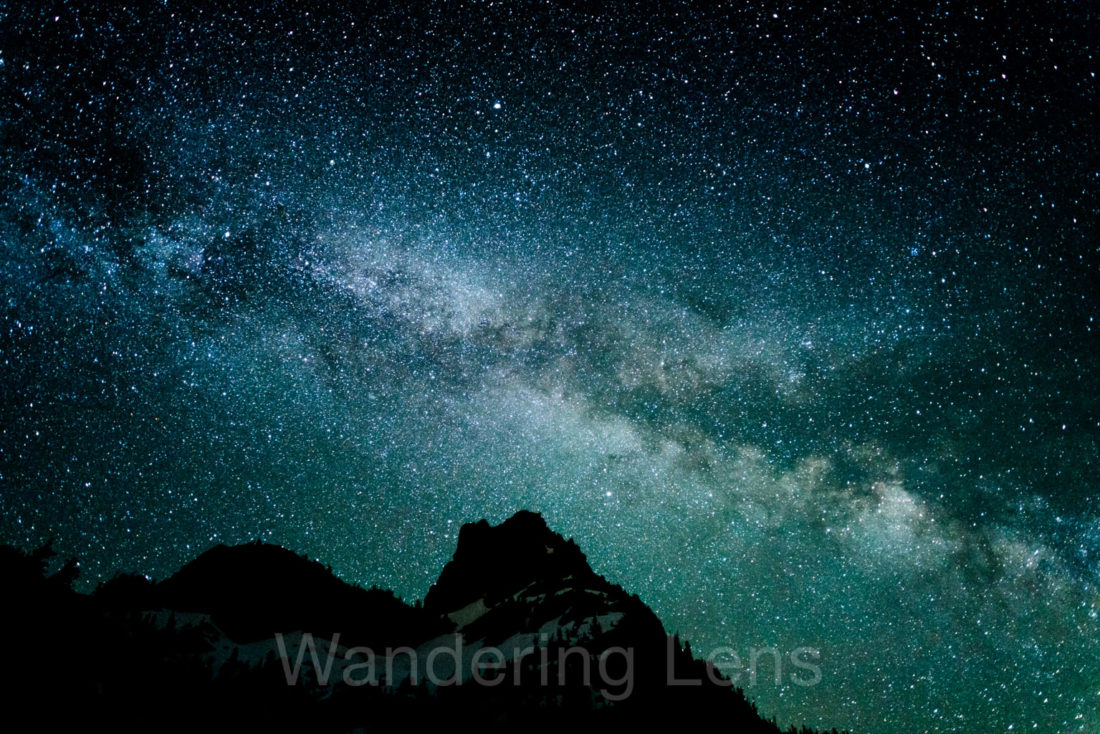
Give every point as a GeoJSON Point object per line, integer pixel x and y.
{"type": "Point", "coordinates": [492, 562]}
{"type": "Point", "coordinates": [567, 648]}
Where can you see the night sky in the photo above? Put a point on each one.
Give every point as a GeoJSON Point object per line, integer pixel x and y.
{"type": "Point", "coordinates": [787, 317]}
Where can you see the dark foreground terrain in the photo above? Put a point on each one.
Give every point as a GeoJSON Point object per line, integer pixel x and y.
{"type": "Point", "coordinates": [517, 633]}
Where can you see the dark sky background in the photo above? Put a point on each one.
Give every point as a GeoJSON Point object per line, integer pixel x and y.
{"type": "Point", "coordinates": [787, 316]}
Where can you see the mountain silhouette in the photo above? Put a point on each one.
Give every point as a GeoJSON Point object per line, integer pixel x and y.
{"type": "Point", "coordinates": [253, 591]}
{"type": "Point", "coordinates": [517, 632]}
{"type": "Point", "coordinates": [494, 562]}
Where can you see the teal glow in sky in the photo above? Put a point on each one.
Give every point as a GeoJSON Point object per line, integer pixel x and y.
{"type": "Point", "coordinates": [788, 318]}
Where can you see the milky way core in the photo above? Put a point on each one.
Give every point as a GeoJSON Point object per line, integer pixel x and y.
{"type": "Point", "coordinates": [786, 316]}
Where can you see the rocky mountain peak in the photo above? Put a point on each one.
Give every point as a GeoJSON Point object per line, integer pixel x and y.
{"type": "Point", "coordinates": [493, 562]}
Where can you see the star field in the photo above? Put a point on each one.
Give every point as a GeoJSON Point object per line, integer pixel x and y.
{"type": "Point", "coordinates": [787, 316]}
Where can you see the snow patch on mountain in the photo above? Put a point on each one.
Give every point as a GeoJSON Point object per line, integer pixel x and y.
{"type": "Point", "coordinates": [468, 614]}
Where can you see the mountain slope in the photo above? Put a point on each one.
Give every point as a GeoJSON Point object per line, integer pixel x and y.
{"type": "Point", "coordinates": [518, 631]}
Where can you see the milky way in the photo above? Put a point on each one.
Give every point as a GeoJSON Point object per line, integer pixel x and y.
{"type": "Point", "coordinates": [787, 317]}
